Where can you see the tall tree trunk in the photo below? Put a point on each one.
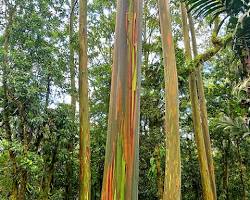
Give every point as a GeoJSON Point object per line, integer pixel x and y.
{"type": "Point", "coordinates": [160, 178]}
{"type": "Point", "coordinates": [23, 183]}
{"type": "Point", "coordinates": [71, 58]}
{"type": "Point", "coordinates": [120, 179]}
{"type": "Point", "coordinates": [84, 153]}
{"type": "Point", "coordinates": [203, 108]}
{"type": "Point", "coordinates": [69, 170]}
{"type": "Point", "coordinates": [172, 184]}
{"type": "Point", "coordinates": [6, 111]}
{"type": "Point", "coordinates": [25, 141]}
{"type": "Point", "coordinates": [47, 92]}
{"type": "Point", "coordinates": [226, 168]}
{"type": "Point", "coordinates": [242, 171]}
{"type": "Point", "coordinates": [207, 186]}
{"type": "Point", "coordinates": [205, 176]}
{"type": "Point", "coordinates": [49, 171]}
{"type": "Point", "coordinates": [46, 185]}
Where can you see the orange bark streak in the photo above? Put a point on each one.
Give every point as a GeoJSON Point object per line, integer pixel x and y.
{"type": "Point", "coordinates": [169, 40]}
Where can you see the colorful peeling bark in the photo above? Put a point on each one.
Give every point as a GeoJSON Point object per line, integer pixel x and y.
{"type": "Point", "coordinates": [205, 175]}
{"type": "Point", "coordinates": [207, 186]}
{"type": "Point", "coordinates": [172, 184]}
{"type": "Point", "coordinates": [120, 179]}
{"type": "Point", "coordinates": [203, 109]}
{"type": "Point", "coordinates": [84, 153]}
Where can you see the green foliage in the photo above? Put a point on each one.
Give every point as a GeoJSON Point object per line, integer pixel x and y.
{"type": "Point", "coordinates": [238, 127]}
{"type": "Point", "coordinates": [38, 75]}
{"type": "Point", "coordinates": [210, 7]}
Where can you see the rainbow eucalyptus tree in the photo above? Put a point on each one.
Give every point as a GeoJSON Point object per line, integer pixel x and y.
{"type": "Point", "coordinates": [203, 107]}
{"type": "Point", "coordinates": [69, 170]}
{"type": "Point", "coordinates": [207, 185]}
{"type": "Point", "coordinates": [120, 179]}
{"type": "Point", "coordinates": [172, 185]}
{"type": "Point", "coordinates": [84, 152]}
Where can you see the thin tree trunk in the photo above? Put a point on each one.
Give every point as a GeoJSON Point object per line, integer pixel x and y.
{"type": "Point", "coordinates": [84, 153]}
{"type": "Point", "coordinates": [205, 174]}
{"type": "Point", "coordinates": [242, 171]}
{"type": "Point", "coordinates": [203, 109]}
{"type": "Point", "coordinates": [122, 148]}
{"type": "Point", "coordinates": [46, 185]}
{"type": "Point", "coordinates": [47, 92]}
{"type": "Point", "coordinates": [25, 143]}
{"type": "Point", "coordinates": [49, 172]}
{"type": "Point", "coordinates": [24, 137]}
{"type": "Point", "coordinates": [6, 111]}
{"type": "Point", "coordinates": [23, 183]}
{"type": "Point", "coordinates": [71, 59]}
{"type": "Point", "coordinates": [69, 170]}
{"type": "Point", "coordinates": [172, 184]}
{"type": "Point", "coordinates": [226, 168]}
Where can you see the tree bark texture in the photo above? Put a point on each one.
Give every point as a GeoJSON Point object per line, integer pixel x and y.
{"type": "Point", "coordinates": [203, 108]}
{"type": "Point", "coordinates": [69, 170]}
{"type": "Point", "coordinates": [203, 161]}
{"type": "Point", "coordinates": [172, 183]}
{"type": "Point", "coordinates": [84, 152]}
{"type": "Point", "coordinates": [122, 148]}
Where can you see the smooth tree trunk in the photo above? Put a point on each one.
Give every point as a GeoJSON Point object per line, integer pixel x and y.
{"type": "Point", "coordinates": [204, 170]}
{"type": "Point", "coordinates": [172, 184]}
{"type": "Point", "coordinates": [71, 59]}
{"type": "Point", "coordinates": [203, 108]}
{"type": "Point", "coordinates": [84, 152]}
{"type": "Point", "coordinates": [120, 181]}
{"type": "Point", "coordinates": [69, 170]}
{"type": "Point", "coordinates": [207, 186]}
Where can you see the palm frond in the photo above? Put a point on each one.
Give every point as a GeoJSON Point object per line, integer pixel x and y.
{"type": "Point", "coordinates": [204, 8]}
{"type": "Point", "coordinates": [236, 127]}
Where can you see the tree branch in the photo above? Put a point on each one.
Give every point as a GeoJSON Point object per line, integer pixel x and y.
{"type": "Point", "coordinates": [218, 43]}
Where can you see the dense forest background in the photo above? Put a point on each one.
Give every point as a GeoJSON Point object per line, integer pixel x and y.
{"type": "Point", "coordinates": [39, 138]}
